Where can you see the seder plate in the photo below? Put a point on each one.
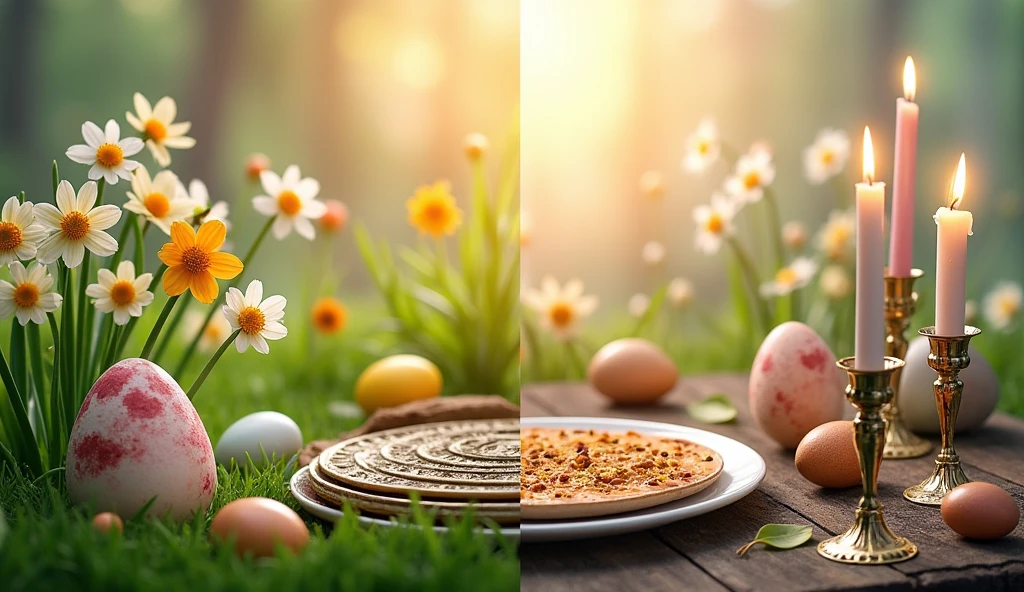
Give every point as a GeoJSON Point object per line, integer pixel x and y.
{"type": "Point", "coordinates": [385, 505]}
{"type": "Point", "coordinates": [468, 471]}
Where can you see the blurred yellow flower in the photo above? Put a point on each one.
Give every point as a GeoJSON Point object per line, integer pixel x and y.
{"type": "Point", "coordinates": [836, 238]}
{"type": "Point", "coordinates": [194, 262]}
{"type": "Point", "coordinates": [432, 210]}
{"type": "Point", "coordinates": [158, 199]}
{"type": "Point", "coordinates": [213, 334]}
{"type": "Point", "coordinates": [835, 282]}
{"type": "Point", "coordinates": [475, 145]}
{"type": "Point", "coordinates": [794, 235]}
{"type": "Point", "coordinates": [794, 276]}
{"type": "Point", "coordinates": [329, 316]}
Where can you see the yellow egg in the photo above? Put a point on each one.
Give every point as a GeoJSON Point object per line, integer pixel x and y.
{"type": "Point", "coordinates": [396, 380]}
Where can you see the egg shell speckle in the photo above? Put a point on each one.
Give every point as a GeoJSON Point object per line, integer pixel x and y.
{"type": "Point", "coordinates": [795, 384]}
{"type": "Point", "coordinates": [827, 456]}
{"type": "Point", "coordinates": [632, 372]}
{"type": "Point", "coordinates": [138, 436]}
{"type": "Point", "coordinates": [980, 511]}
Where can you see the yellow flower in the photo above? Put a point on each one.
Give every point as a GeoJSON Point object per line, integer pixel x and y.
{"type": "Point", "coordinates": [329, 316]}
{"type": "Point", "coordinates": [432, 210]}
{"type": "Point", "coordinates": [194, 262]}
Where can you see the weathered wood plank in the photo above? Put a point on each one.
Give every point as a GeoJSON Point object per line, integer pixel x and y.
{"type": "Point", "coordinates": [631, 562]}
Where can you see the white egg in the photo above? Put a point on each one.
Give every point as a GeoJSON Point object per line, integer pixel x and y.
{"type": "Point", "coordinates": [917, 397]}
{"type": "Point", "coordinates": [795, 385]}
{"type": "Point", "coordinates": [138, 437]}
{"type": "Point", "coordinates": [267, 432]}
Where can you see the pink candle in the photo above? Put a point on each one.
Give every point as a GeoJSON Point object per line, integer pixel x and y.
{"type": "Point", "coordinates": [901, 236]}
{"type": "Point", "coordinates": [869, 331]}
{"type": "Point", "coordinates": [954, 226]}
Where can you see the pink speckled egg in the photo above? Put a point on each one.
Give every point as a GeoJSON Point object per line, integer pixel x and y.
{"type": "Point", "coordinates": [795, 385]}
{"type": "Point", "coordinates": [137, 436]}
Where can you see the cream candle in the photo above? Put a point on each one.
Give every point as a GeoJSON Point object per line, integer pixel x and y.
{"type": "Point", "coordinates": [869, 331]}
{"type": "Point", "coordinates": [954, 226]}
{"type": "Point", "coordinates": [901, 235]}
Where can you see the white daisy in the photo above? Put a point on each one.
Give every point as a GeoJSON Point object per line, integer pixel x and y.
{"type": "Point", "coordinates": [680, 292]}
{"type": "Point", "coordinates": [970, 312]}
{"type": "Point", "coordinates": [28, 299]}
{"type": "Point", "coordinates": [826, 157]}
{"type": "Point", "coordinates": [836, 238]}
{"type": "Point", "coordinates": [123, 294]}
{"type": "Point", "coordinates": [256, 319]}
{"type": "Point", "coordinates": [794, 276]}
{"type": "Point", "coordinates": [794, 235]}
{"type": "Point", "coordinates": [653, 253]}
{"type": "Point", "coordinates": [106, 152]}
{"type": "Point", "coordinates": [1002, 305]}
{"type": "Point", "coordinates": [158, 199]}
{"type": "Point", "coordinates": [213, 334]}
{"type": "Point", "coordinates": [560, 308]}
{"type": "Point", "coordinates": [19, 232]}
{"type": "Point", "coordinates": [76, 226]}
{"type": "Point", "coordinates": [835, 282]}
{"type": "Point", "coordinates": [158, 127]}
{"type": "Point", "coordinates": [201, 208]}
{"type": "Point", "coordinates": [702, 147]}
{"type": "Point", "coordinates": [754, 171]}
{"type": "Point", "coordinates": [638, 305]}
{"type": "Point", "coordinates": [714, 223]}
{"type": "Point", "coordinates": [292, 200]}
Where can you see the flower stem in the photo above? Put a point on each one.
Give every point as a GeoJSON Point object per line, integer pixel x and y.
{"type": "Point", "coordinates": [147, 350]}
{"type": "Point", "coordinates": [753, 283]}
{"type": "Point", "coordinates": [171, 328]}
{"type": "Point", "coordinates": [187, 356]}
{"type": "Point", "coordinates": [774, 227]}
{"type": "Point", "coordinates": [209, 365]}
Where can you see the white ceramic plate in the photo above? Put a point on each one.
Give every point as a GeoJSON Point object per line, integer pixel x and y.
{"type": "Point", "coordinates": [744, 470]}
{"type": "Point", "coordinates": [303, 492]}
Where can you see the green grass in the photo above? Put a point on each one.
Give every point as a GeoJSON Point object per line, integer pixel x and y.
{"type": "Point", "coordinates": [51, 545]}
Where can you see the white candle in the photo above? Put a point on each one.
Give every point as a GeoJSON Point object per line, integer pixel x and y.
{"type": "Point", "coordinates": [954, 226]}
{"type": "Point", "coordinates": [869, 332]}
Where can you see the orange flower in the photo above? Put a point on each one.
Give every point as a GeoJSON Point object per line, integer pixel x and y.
{"type": "Point", "coordinates": [432, 210]}
{"type": "Point", "coordinates": [194, 263]}
{"type": "Point", "coordinates": [329, 316]}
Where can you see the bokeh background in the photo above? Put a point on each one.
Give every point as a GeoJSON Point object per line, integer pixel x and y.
{"type": "Point", "coordinates": [372, 98]}
{"type": "Point", "coordinates": [612, 89]}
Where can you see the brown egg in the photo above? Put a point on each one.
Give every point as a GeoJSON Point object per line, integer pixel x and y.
{"type": "Point", "coordinates": [258, 523]}
{"type": "Point", "coordinates": [980, 511]}
{"type": "Point", "coordinates": [107, 521]}
{"type": "Point", "coordinates": [827, 456]}
{"type": "Point", "coordinates": [632, 372]}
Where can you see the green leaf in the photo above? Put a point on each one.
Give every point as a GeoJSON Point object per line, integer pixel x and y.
{"type": "Point", "coordinates": [713, 409]}
{"type": "Point", "coordinates": [780, 536]}
{"type": "Point", "coordinates": [3, 528]}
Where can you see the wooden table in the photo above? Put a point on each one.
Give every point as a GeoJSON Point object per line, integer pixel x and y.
{"type": "Point", "coordinates": [700, 553]}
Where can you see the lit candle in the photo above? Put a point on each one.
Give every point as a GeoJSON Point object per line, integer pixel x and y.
{"type": "Point", "coordinates": [951, 259]}
{"type": "Point", "coordinates": [901, 237]}
{"type": "Point", "coordinates": [869, 332]}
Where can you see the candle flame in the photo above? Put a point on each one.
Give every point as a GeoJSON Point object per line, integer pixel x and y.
{"type": "Point", "coordinates": [909, 79]}
{"type": "Point", "coordinates": [869, 157]}
{"type": "Point", "coordinates": [959, 182]}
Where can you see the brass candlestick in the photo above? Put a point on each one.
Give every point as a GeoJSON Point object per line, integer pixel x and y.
{"type": "Point", "coordinates": [948, 357]}
{"type": "Point", "coordinates": [869, 541]}
{"type": "Point", "coordinates": [900, 302]}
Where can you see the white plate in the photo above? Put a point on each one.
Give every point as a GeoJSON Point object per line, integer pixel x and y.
{"type": "Point", "coordinates": [744, 470]}
{"type": "Point", "coordinates": [303, 492]}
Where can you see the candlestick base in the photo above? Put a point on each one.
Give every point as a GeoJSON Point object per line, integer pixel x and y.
{"type": "Point", "coordinates": [900, 304]}
{"type": "Point", "coordinates": [869, 541]}
{"type": "Point", "coordinates": [948, 356]}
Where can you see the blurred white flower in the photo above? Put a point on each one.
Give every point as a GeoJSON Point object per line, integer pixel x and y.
{"type": "Point", "coordinates": [836, 237]}
{"type": "Point", "coordinates": [680, 292]}
{"type": "Point", "coordinates": [652, 184]}
{"type": "Point", "coordinates": [794, 235]}
{"type": "Point", "coordinates": [835, 282]}
{"type": "Point", "coordinates": [475, 145]}
{"type": "Point", "coordinates": [794, 276]}
{"type": "Point", "coordinates": [214, 334]}
{"type": "Point", "coordinates": [1002, 305]}
{"type": "Point", "coordinates": [291, 200]}
{"type": "Point", "coordinates": [970, 312]}
{"type": "Point", "coordinates": [158, 127]}
{"type": "Point", "coordinates": [560, 308]}
{"type": "Point", "coordinates": [714, 223]}
{"type": "Point", "coordinates": [827, 156]}
{"type": "Point", "coordinates": [754, 171]}
{"type": "Point", "coordinates": [158, 199]}
{"type": "Point", "coordinates": [106, 151]}
{"type": "Point", "coordinates": [525, 230]}
{"type": "Point", "coordinates": [638, 304]}
{"type": "Point", "coordinates": [653, 253]}
{"type": "Point", "coordinates": [702, 147]}
{"type": "Point", "coordinates": [200, 197]}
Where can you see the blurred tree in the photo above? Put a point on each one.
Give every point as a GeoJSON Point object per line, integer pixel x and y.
{"type": "Point", "coordinates": [19, 28]}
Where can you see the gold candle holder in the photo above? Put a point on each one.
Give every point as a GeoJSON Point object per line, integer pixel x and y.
{"type": "Point", "coordinates": [948, 357]}
{"type": "Point", "coordinates": [869, 541]}
{"type": "Point", "coordinates": [900, 303]}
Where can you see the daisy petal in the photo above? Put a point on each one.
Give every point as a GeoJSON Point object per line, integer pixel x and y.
{"type": "Point", "coordinates": [142, 106]}
{"type": "Point", "coordinates": [47, 215]}
{"type": "Point", "coordinates": [134, 121]}
{"type": "Point", "coordinates": [260, 344]}
{"type": "Point", "coordinates": [291, 177]}
{"type": "Point", "coordinates": [170, 254]}
{"type": "Point", "coordinates": [65, 197]}
{"type": "Point", "coordinates": [265, 205]}
{"type": "Point", "coordinates": [104, 217]}
{"type": "Point", "coordinates": [176, 281]}
{"type": "Point", "coordinates": [211, 235]}
{"type": "Point", "coordinates": [314, 209]}
{"type": "Point", "coordinates": [49, 250]}
{"type": "Point", "coordinates": [180, 142]}
{"type": "Point", "coordinates": [308, 188]}
{"type": "Point", "coordinates": [100, 243]}
{"type": "Point", "coordinates": [131, 146]}
{"type": "Point", "coordinates": [225, 266]}
{"type": "Point", "coordinates": [254, 293]}
{"type": "Point", "coordinates": [74, 253]}
{"type": "Point", "coordinates": [112, 132]}
{"type": "Point", "coordinates": [183, 235]}
{"type": "Point", "coordinates": [86, 198]}
{"type": "Point", "coordinates": [274, 306]}
{"type": "Point", "coordinates": [271, 182]}
{"type": "Point", "coordinates": [305, 228]}
{"type": "Point", "coordinates": [178, 129]}
{"type": "Point", "coordinates": [165, 110]}
{"type": "Point", "coordinates": [282, 226]}
{"type": "Point", "coordinates": [81, 154]}
{"type": "Point", "coordinates": [93, 135]}
{"type": "Point", "coordinates": [235, 299]}
{"type": "Point", "coordinates": [204, 287]}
